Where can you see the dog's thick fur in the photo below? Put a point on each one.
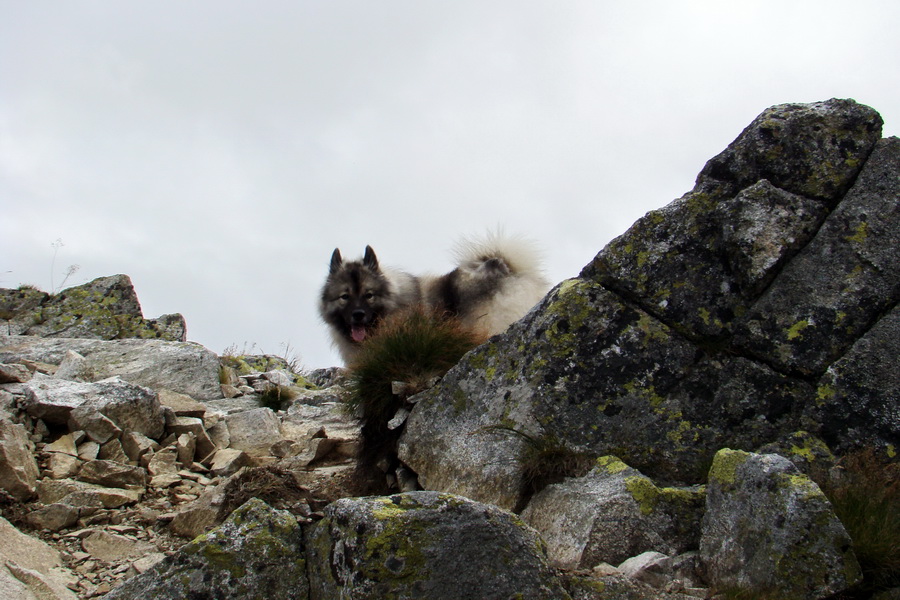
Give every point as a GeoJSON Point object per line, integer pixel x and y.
{"type": "Point", "coordinates": [496, 281]}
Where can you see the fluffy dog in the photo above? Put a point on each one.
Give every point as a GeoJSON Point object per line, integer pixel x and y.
{"type": "Point", "coordinates": [496, 281]}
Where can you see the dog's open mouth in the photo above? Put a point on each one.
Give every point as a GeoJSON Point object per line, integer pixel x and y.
{"type": "Point", "coordinates": [358, 333]}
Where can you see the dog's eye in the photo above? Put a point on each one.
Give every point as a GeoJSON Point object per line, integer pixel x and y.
{"type": "Point", "coordinates": [345, 296]}
{"type": "Point", "coordinates": [369, 295]}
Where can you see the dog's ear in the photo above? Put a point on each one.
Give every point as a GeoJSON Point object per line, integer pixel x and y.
{"type": "Point", "coordinates": [336, 261]}
{"type": "Point", "coordinates": [369, 259]}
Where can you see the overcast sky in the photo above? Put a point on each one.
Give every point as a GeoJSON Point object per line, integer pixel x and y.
{"type": "Point", "coordinates": [218, 151]}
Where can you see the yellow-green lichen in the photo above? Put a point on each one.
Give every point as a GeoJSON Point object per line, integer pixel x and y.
{"type": "Point", "coordinates": [611, 465]}
{"type": "Point", "coordinates": [859, 234]}
{"type": "Point", "coordinates": [794, 331]}
{"type": "Point", "coordinates": [725, 465]}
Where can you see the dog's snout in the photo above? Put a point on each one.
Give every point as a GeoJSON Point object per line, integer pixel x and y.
{"type": "Point", "coordinates": [358, 316]}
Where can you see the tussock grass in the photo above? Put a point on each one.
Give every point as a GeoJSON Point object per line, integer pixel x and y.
{"type": "Point", "coordinates": [413, 347]}
{"type": "Point", "coordinates": [866, 499]}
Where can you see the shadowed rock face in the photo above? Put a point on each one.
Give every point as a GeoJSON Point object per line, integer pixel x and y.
{"type": "Point", "coordinates": [739, 314]}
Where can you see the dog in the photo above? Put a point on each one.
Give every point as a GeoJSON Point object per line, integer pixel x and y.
{"type": "Point", "coordinates": [497, 279]}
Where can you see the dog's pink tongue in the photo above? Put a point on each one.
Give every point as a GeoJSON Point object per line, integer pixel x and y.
{"type": "Point", "coordinates": [358, 333]}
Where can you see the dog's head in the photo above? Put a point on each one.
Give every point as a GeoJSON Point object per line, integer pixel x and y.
{"type": "Point", "coordinates": [355, 296]}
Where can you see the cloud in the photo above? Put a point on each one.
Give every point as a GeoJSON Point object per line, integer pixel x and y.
{"type": "Point", "coordinates": [218, 152]}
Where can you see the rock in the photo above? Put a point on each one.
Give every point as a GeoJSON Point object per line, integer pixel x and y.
{"type": "Point", "coordinates": [64, 444]}
{"type": "Point", "coordinates": [182, 367]}
{"type": "Point", "coordinates": [62, 466]}
{"type": "Point", "coordinates": [129, 407]}
{"type": "Point", "coordinates": [74, 367]}
{"type": "Point", "coordinates": [97, 426]}
{"type": "Point", "coordinates": [112, 474]}
{"type": "Point", "coordinates": [185, 446]}
{"type": "Point", "coordinates": [53, 517]}
{"type": "Point", "coordinates": [769, 530]}
{"type": "Point", "coordinates": [227, 461]}
{"type": "Point", "coordinates": [856, 405]}
{"type": "Point", "coordinates": [814, 150]}
{"type": "Point", "coordinates": [14, 373]}
{"type": "Point", "coordinates": [428, 546]}
{"type": "Point", "coordinates": [110, 547]}
{"type": "Point", "coordinates": [81, 494]}
{"type": "Point", "coordinates": [182, 404]}
{"type": "Point", "coordinates": [31, 568]}
{"type": "Point", "coordinates": [652, 568]}
{"type": "Point", "coordinates": [709, 323]}
{"type": "Point", "coordinates": [18, 469]}
{"type": "Point", "coordinates": [253, 431]}
{"type": "Point", "coordinates": [106, 308]}
{"type": "Point", "coordinates": [257, 552]}
{"type": "Point", "coordinates": [136, 445]}
{"type": "Point", "coordinates": [842, 282]}
{"type": "Point", "coordinates": [203, 445]}
{"type": "Point", "coordinates": [613, 513]}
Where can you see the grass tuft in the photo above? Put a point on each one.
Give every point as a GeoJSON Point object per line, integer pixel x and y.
{"type": "Point", "coordinates": [413, 347]}
{"type": "Point", "coordinates": [866, 499]}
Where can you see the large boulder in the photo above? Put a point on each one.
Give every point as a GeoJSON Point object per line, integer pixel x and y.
{"type": "Point", "coordinates": [182, 367]}
{"type": "Point", "coordinates": [256, 553]}
{"type": "Point", "coordinates": [426, 546]}
{"type": "Point", "coordinates": [733, 317]}
{"type": "Point", "coordinates": [128, 407]}
{"type": "Point", "coordinates": [611, 514]}
{"type": "Point", "coordinates": [30, 568]}
{"type": "Point", "coordinates": [769, 531]}
{"type": "Point", "coordinates": [106, 308]}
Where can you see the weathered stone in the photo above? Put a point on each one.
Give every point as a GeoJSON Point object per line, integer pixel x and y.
{"type": "Point", "coordinates": [185, 446]}
{"type": "Point", "coordinates": [112, 474]}
{"type": "Point", "coordinates": [62, 466]}
{"type": "Point", "coordinates": [97, 426]}
{"type": "Point", "coordinates": [14, 373]}
{"type": "Point", "coordinates": [130, 407]}
{"type": "Point", "coordinates": [110, 547]}
{"type": "Point", "coordinates": [254, 431]}
{"type": "Point", "coordinates": [227, 461]}
{"type": "Point", "coordinates": [582, 370]}
{"type": "Point", "coordinates": [611, 514]}
{"type": "Point", "coordinates": [840, 284]}
{"type": "Point", "coordinates": [112, 450]}
{"type": "Point", "coordinates": [857, 402]}
{"type": "Point", "coordinates": [257, 553]}
{"type": "Point", "coordinates": [31, 568]}
{"type": "Point", "coordinates": [136, 445]}
{"type": "Point", "coordinates": [81, 494]}
{"type": "Point", "coordinates": [18, 469]}
{"type": "Point", "coordinates": [74, 367]}
{"type": "Point", "coordinates": [193, 425]}
{"type": "Point", "coordinates": [182, 404]}
{"type": "Point", "coordinates": [769, 530]}
{"type": "Point", "coordinates": [164, 462]}
{"type": "Point", "coordinates": [814, 150]}
{"type": "Point", "coordinates": [182, 367]}
{"type": "Point", "coordinates": [64, 443]}
{"type": "Point", "coordinates": [106, 308]}
{"type": "Point", "coordinates": [652, 568]}
{"type": "Point", "coordinates": [428, 546]}
{"type": "Point", "coordinates": [53, 517]}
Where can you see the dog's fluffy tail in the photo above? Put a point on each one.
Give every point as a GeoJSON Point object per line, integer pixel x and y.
{"type": "Point", "coordinates": [519, 255]}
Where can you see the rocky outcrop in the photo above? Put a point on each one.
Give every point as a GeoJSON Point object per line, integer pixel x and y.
{"type": "Point", "coordinates": [730, 318]}
{"type": "Point", "coordinates": [107, 308]}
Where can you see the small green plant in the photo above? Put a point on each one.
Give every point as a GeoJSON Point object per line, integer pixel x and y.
{"type": "Point", "coordinates": [414, 348]}
{"type": "Point", "coordinates": [866, 499]}
{"type": "Point", "coordinates": [547, 460]}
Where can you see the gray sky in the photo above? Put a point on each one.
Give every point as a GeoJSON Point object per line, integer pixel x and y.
{"type": "Point", "coordinates": [217, 152]}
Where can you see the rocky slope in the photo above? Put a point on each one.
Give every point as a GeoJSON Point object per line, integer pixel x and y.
{"type": "Point", "coordinates": [652, 429]}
